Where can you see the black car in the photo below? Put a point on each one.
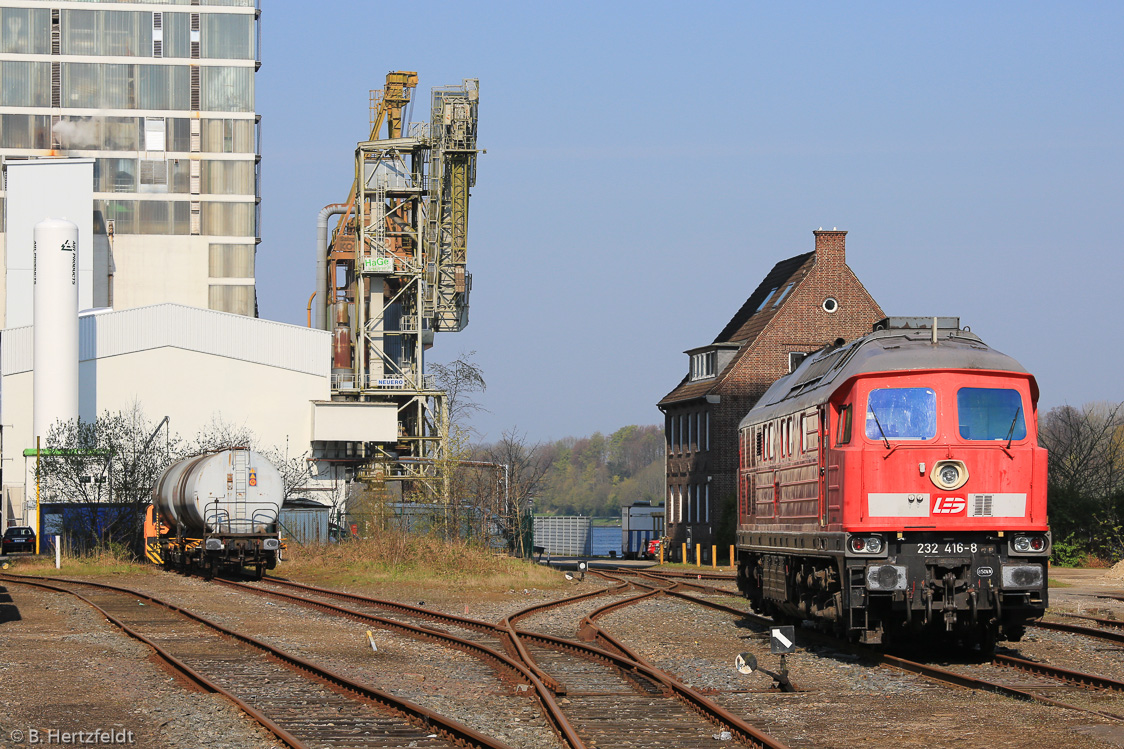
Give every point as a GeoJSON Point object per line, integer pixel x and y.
{"type": "Point", "coordinates": [18, 538]}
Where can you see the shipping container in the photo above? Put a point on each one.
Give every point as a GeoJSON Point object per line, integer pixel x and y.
{"type": "Point", "coordinates": [641, 523]}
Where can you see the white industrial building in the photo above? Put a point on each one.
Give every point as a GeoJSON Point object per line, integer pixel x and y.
{"type": "Point", "coordinates": [197, 367]}
{"type": "Point", "coordinates": [158, 98]}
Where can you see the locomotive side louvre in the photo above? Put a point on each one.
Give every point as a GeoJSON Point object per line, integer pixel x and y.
{"type": "Point", "coordinates": [893, 485]}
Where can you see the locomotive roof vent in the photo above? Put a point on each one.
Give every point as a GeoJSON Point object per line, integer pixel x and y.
{"type": "Point", "coordinates": [917, 323]}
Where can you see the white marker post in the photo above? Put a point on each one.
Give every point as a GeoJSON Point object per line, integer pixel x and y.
{"type": "Point", "coordinates": [58, 552]}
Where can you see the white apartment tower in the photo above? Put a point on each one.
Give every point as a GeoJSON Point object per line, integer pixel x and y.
{"type": "Point", "coordinates": [161, 96]}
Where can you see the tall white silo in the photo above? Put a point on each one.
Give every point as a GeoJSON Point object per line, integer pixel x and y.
{"type": "Point", "coordinates": [55, 280]}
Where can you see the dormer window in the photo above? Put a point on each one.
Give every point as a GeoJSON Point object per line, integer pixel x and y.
{"type": "Point", "coordinates": [783, 294]}
{"type": "Point", "coordinates": [766, 300]}
{"type": "Point", "coordinates": [702, 365]}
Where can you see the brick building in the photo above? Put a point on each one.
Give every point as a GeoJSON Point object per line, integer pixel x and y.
{"type": "Point", "coordinates": [804, 303]}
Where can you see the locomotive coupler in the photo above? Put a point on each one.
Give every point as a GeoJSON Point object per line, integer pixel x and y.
{"type": "Point", "coordinates": [972, 605]}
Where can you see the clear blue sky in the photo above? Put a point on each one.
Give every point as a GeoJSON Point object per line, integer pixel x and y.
{"type": "Point", "coordinates": [648, 162]}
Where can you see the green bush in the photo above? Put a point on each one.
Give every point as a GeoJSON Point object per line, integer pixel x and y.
{"type": "Point", "coordinates": [1070, 552]}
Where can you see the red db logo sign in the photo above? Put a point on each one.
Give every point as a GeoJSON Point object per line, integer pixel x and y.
{"type": "Point", "coordinates": [949, 505]}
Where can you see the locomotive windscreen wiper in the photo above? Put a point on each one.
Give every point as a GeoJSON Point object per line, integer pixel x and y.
{"type": "Point", "coordinates": [1011, 431]}
{"type": "Point", "coordinates": [880, 430]}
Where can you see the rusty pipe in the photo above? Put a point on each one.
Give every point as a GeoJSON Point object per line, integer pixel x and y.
{"type": "Point", "coordinates": [331, 209]}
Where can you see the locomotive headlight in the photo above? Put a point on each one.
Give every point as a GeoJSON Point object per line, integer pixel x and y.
{"type": "Point", "coordinates": [1029, 544]}
{"type": "Point", "coordinates": [270, 544]}
{"type": "Point", "coordinates": [866, 544]}
{"type": "Point", "coordinates": [949, 474]}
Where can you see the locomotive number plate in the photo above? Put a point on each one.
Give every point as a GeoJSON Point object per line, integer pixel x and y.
{"type": "Point", "coordinates": [953, 547]}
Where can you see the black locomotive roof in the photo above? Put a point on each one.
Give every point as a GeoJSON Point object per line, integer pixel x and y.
{"type": "Point", "coordinates": [887, 350]}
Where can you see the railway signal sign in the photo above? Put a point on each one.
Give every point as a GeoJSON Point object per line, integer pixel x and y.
{"type": "Point", "coordinates": [782, 640]}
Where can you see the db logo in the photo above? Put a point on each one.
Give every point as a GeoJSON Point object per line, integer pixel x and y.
{"type": "Point", "coordinates": [949, 505]}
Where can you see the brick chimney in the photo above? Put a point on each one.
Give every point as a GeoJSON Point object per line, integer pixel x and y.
{"type": "Point", "coordinates": [831, 246]}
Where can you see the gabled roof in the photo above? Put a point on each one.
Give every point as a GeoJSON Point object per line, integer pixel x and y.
{"type": "Point", "coordinates": [748, 322]}
{"type": "Point", "coordinates": [751, 319]}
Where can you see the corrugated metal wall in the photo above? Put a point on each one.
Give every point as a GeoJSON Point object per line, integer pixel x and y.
{"type": "Point", "coordinates": [305, 525]}
{"type": "Point", "coordinates": [206, 331]}
{"type": "Point", "coordinates": [565, 536]}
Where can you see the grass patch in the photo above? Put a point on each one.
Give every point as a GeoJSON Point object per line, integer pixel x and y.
{"type": "Point", "coordinates": [95, 563]}
{"type": "Point", "coordinates": [411, 561]}
{"type": "Point", "coordinates": [1058, 584]}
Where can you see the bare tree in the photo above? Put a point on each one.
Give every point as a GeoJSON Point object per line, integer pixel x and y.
{"type": "Point", "coordinates": [524, 468]}
{"type": "Point", "coordinates": [103, 473]}
{"type": "Point", "coordinates": [460, 379]}
{"type": "Point", "coordinates": [1086, 474]}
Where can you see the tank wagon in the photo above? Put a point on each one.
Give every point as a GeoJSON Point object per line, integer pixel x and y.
{"type": "Point", "coordinates": [218, 512]}
{"type": "Point", "coordinates": [892, 488]}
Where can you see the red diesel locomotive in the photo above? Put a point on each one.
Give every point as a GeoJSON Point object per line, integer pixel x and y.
{"type": "Point", "coordinates": [893, 486]}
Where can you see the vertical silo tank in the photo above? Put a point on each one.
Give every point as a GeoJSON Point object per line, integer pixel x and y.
{"type": "Point", "coordinates": [231, 491]}
{"type": "Point", "coordinates": [55, 358]}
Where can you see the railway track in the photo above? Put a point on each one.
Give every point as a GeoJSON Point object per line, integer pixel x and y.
{"type": "Point", "coordinates": [301, 703]}
{"type": "Point", "coordinates": [602, 699]}
{"type": "Point", "coordinates": [1007, 675]}
{"type": "Point", "coordinates": [1108, 629]}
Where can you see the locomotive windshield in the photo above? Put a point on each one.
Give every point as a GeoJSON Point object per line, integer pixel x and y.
{"type": "Point", "coordinates": [990, 414]}
{"type": "Point", "coordinates": [901, 414]}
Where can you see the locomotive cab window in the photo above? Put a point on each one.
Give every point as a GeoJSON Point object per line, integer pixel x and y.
{"type": "Point", "coordinates": [990, 414]}
{"type": "Point", "coordinates": [843, 431]}
{"type": "Point", "coordinates": [901, 414]}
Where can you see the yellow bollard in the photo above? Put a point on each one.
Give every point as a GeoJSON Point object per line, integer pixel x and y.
{"type": "Point", "coordinates": [661, 553]}
{"type": "Point", "coordinates": [684, 557]}
{"type": "Point", "coordinates": [714, 556]}
{"type": "Point", "coordinates": [733, 559]}
{"type": "Point", "coordinates": [698, 555]}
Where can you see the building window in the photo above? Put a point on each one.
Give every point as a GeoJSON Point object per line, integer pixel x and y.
{"type": "Point", "coordinates": [25, 31]}
{"type": "Point", "coordinates": [707, 489]}
{"type": "Point", "coordinates": [707, 430]}
{"type": "Point", "coordinates": [236, 299]}
{"type": "Point", "coordinates": [228, 89]}
{"type": "Point", "coordinates": [26, 84]}
{"type": "Point", "coordinates": [795, 358]}
{"type": "Point", "coordinates": [830, 305]}
{"type": "Point", "coordinates": [702, 365]}
{"type": "Point", "coordinates": [227, 36]}
{"type": "Point", "coordinates": [783, 294]}
{"type": "Point", "coordinates": [231, 261]}
{"type": "Point", "coordinates": [765, 300]}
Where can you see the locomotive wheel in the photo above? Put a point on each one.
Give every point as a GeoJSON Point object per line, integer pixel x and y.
{"type": "Point", "coordinates": [259, 572]}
